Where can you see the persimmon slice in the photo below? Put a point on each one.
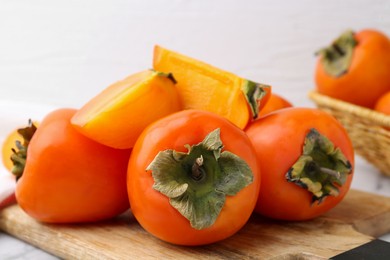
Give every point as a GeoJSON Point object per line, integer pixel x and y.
{"type": "Point", "coordinates": [117, 115]}
{"type": "Point", "coordinates": [202, 86]}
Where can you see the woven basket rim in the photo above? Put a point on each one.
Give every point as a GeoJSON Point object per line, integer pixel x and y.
{"type": "Point", "coordinates": [366, 113]}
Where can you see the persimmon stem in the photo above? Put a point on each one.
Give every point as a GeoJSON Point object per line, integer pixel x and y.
{"type": "Point", "coordinates": [330, 172]}
{"type": "Point", "coordinates": [314, 167]}
{"type": "Point", "coordinates": [197, 169]}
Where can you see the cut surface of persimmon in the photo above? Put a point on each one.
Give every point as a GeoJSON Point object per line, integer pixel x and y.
{"type": "Point", "coordinates": [117, 115]}
{"type": "Point", "coordinates": [202, 86]}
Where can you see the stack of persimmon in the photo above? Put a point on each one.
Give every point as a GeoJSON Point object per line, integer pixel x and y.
{"type": "Point", "coordinates": [355, 68]}
{"type": "Point", "coordinates": [191, 149]}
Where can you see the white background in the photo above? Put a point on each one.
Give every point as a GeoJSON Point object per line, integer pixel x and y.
{"type": "Point", "coordinates": [65, 52]}
{"type": "Point", "coordinates": [62, 53]}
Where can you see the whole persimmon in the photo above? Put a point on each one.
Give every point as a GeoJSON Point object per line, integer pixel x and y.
{"type": "Point", "coordinates": [355, 68]}
{"type": "Point", "coordinates": [193, 178]}
{"type": "Point", "coordinates": [69, 178]}
{"type": "Point", "coordinates": [306, 162]}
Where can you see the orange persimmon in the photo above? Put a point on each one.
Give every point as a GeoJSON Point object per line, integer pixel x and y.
{"type": "Point", "coordinates": [355, 68]}
{"type": "Point", "coordinates": [117, 116]}
{"type": "Point", "coordinates": [202, 86]}
{"type": "Point", "coordinates": [193, 178]}
{"type": "Point", "coordinates": [383, 104]}
{"type": "Point", "coordinates": [274, 103]}
{"type": "Point", "coordinates": [69, 178]}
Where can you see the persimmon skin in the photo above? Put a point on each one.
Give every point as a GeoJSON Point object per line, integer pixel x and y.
{"type": "Point", "coordinates": [275, 102]}
{"type": "Point", "coordinates": [383, 104]}
{"type": "Point", "coordinates": [368, 76]}
{"type": "Point", "coordinates": [153, 210]}
{"type": "Point", "coordinates": [69, 178]}
{"type": "Point", "coordinates": [278, 140]}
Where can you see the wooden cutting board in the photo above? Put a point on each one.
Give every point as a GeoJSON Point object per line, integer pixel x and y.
{"type": "Point", "coordinates": [358, 219]}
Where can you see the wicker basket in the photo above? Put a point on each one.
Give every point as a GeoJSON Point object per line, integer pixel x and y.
{"type": "Point", "coordinates": [368, 130]}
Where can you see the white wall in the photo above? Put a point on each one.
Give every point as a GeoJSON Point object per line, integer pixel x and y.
{"type": "Point", "coordinates": [64, 52]}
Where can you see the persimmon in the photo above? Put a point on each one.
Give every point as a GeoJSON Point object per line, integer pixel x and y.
{"type": "Point", "coordinates": [275, 102]}
{"type": "Point", "coordinates": [355, 68]}
{"type": "Point", "coordinates": [383, 104]}
{"type": "Point", "coordinates": [117, 115]}
{"type": "Point", "coordinates": [202, 86]}
{"type": "Point", "coordinates": [69, 178]}
{"type": "Point", "coordinates": [193, 178]}
{"type": "Point", "coordinates": [306, 161]}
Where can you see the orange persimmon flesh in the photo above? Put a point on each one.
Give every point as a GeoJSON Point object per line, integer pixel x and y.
{"type": "Point", "coordinates": [117, 115]}
{"type": "Point", "coordinates": [202, 86]}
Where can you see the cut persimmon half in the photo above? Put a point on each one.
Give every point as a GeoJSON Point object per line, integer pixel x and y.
{"type": "Point", "coordinates": [118, 115]}
{"type": "Point", "coordinates": [202, 86]}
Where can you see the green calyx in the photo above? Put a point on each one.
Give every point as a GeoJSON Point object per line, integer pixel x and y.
{"type": "Point", "coordinates": [321, 169]}
{"type": "Point", "coordinates": [19, 155]}
{"type": "Point", "coordinates": [337, 57]}
{"type": "Point", "coordinates": [198, 181]}
{"type": "Point", "coordinates": [254, 93]}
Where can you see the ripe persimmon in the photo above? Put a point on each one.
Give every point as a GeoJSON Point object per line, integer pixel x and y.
{"type": "Point", "coordinates": [69, 178]}
{"type": "Point", "coordinates": [355, 68]}
{"type": "Point", "coordinates": [193, 178]}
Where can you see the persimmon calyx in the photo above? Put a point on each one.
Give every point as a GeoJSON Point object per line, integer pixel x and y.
{"type": "Point", "coordinates": [337, 57]}
{"type": "Point", "coordinates": [254, 93]}
{"type": "Point", "coordinates": [19, 156]}
{"type": "Point", "coordinates": [198, 181]}
{"type": "Point", "coordinates": [321, 169]}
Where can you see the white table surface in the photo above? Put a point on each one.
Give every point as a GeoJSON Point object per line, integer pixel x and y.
{"type": "Point", "coordinates": [61, 53]}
